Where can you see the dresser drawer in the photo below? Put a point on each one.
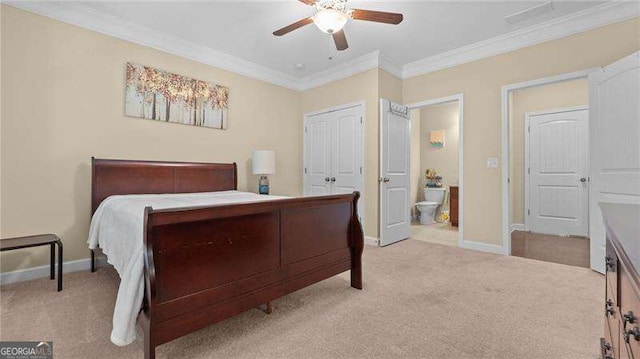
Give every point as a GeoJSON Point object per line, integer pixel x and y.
{"type": "Point", "coordinates": [629, 316]}
{"type": "Point", "coordinates": [607, 345]}
{"type": "Point", "coordinates": [612, 327]}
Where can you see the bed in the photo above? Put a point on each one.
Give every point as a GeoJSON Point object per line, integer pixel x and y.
{"type": "Point", "coordinates": [205, 263]}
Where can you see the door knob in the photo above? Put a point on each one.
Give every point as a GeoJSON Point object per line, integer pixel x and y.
{"type": "Point", "coordinates": [385, 180]}
{"type": "Point", "coordinates": [333, 179]}
{"type": "Point", "coordinates": [327, 179]}
{"type": "Point", "coordinates": [628, 318]}
{"type": "Point", "coordinates": [635, 333]}
{"type": "Point", "coordinates": [583, 179]}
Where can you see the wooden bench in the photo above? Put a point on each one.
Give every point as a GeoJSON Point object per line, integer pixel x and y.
{"type": "Point", "coordinates": [35, 241]}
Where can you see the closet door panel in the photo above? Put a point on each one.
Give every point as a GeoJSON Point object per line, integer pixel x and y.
{"type": "Point", "coordinates": [318, 156]}
{"type": "Point", "coordinates": [347, 152]}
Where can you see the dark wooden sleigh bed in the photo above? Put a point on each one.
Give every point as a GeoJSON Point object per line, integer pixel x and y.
{"type": "Point", "coordinates": [205, 264]}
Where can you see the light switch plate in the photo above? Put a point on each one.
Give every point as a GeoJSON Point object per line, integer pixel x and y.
{"type": "Point", "coordinates": [492, 162]}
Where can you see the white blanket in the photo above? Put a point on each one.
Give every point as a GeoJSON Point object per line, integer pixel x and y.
{"type": "Point", "coordinates": [117, 228]}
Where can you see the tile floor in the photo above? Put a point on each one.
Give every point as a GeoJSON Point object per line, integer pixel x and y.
{"type": "Point", "coordinates": [440, 233]}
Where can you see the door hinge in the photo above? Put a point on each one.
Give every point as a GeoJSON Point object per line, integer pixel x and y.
{"type": "Point", "coordinates": [529, 129]}
{"type": "Point", "coordinates": [508, 180]}
{"type": "Point", "coordinates": [529, 170]}
{"type": "Point", "coordinates": [305, 170]}
{"type": "Point", "coordinates": [528, 212]}
{"type": "Point", "coordinates": [361, 120]}
{"type": "Point", "coordinates": [305, 128]}
{"type": "Point", "coordinates": [360, 170]}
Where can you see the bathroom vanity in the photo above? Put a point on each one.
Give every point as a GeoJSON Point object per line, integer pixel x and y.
{"type": "Point", "coordinates": [453, 205]}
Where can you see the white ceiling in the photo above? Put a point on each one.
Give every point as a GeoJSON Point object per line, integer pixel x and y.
{"type": "Point", "coordinates": [244, 28]}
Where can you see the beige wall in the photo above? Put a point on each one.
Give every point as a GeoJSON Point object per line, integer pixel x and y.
{"type": "Point", "coordinates": [389, 86]}
{"type": "Point", "coordinates": [1, 86]}
{"type": "Point", "coordinates": [542, 98]}
{"type": "Point", "coordinates": [63, 102]}
{"type": "Point", "coordinates": [443, 159]}
{"type": "Point", "coordinates": [481, 83]}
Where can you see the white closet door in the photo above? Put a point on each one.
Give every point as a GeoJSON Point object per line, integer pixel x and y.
{"type": "Point", "coordinates": [317, 155]}
{"type": "Point", "coordinates": [347, 152]}
{"type": "Point", "coordinates": [334, 153]}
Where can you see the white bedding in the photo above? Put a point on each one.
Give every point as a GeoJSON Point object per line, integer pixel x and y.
{"type": "Point", "coordinates": [117, 228]}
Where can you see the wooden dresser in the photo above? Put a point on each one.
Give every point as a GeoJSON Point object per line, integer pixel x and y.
{"type": "Point", "coordinates": [453, 205]}
{"type": "Point", "coordinates": [622, 263]}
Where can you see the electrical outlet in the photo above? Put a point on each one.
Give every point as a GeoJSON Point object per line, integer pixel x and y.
{"type": "Point", "coordinates": [492, 162]}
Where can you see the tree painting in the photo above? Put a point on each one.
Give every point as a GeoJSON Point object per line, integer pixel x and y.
{"type": "Point", "coordinates": [162, 96]}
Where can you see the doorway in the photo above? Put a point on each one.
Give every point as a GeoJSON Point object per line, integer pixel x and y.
{"type": "Point", "coordinates": [548, 171]}
{"type": "Point", "coordinates": [432, 134]}
{"type": "Point", "coordinates": [434, 143]}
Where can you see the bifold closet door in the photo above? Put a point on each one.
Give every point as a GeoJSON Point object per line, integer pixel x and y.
{"type": "Point", "coordinates": [346, 151]}
{"type": "Point", "coordinates": [317, 152]}
{"type": "Point", "coordinates": [334, 153]}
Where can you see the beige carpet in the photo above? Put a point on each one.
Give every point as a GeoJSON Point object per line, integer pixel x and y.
{"type": "Point", "coordinates": [420, 300]}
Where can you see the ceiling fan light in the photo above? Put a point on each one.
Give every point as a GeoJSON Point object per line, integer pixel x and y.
{"type": "Point", "coordinates": [330, 20]}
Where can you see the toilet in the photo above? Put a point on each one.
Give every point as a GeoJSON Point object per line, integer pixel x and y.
{"type": "Point", "coordinates": [434, 197]}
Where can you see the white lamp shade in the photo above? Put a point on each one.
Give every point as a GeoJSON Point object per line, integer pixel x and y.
{"type": "Point", "coordinates": [264, 162]}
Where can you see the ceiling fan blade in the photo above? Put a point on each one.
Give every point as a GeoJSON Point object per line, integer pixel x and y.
{"type": "Point", "coordinates": [377, 16]}
{"type": "Point", "coordinates": [340, 40]}
{"type": "Point", "coordinates": [308, 2]}
{"type": "Point", "coordinates": [295, 25]}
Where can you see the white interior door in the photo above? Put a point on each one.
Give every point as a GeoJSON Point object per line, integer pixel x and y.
{"type": "Point", "coordinates": [317, 155]}
{"type": "Point", "coordinates": [614, 103]}
{"type": "Point", "coordinates": [395, 170]}
{"type": "Point", "coordinates": [558, 187]}
{"type": "Point", "coordinates": [347, 153]}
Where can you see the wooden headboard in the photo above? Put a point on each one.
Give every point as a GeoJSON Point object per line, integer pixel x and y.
{"type": "Point", "coordinates": [117, 177]}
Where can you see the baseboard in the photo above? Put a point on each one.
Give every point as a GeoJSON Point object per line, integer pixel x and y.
{"type": "Point", "coordinates": [482, 247]}
{"type": "Point", "coordinates": [517, 227]}
{"type": "Point", "coordinates": [43, 271]}
{"type": "Point", "coordinates": [372, 241]}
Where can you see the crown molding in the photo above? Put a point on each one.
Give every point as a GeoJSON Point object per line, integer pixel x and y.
{"type": "Point", "coordinates": [341, 71]}
{"type": "Point", "coordinates": [77, 14]}
{"type": "Point", "coordinates": [390, 66]}
{"type": "Point", "coordinates": [588, 19]}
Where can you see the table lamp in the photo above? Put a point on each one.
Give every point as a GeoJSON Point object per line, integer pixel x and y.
{"type": "Point", "coordinates": [264, 163]}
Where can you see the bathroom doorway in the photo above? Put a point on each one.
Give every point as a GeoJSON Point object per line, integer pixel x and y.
{"type": "Point", "coordinates": [436, 170]}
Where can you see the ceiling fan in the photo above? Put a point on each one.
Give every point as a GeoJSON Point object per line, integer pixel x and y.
{"type": "Point", "coordinates": [332, 15]}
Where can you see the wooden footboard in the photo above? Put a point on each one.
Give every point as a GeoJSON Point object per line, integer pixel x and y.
{"type": "Point", "coordinates": [203, 265]}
